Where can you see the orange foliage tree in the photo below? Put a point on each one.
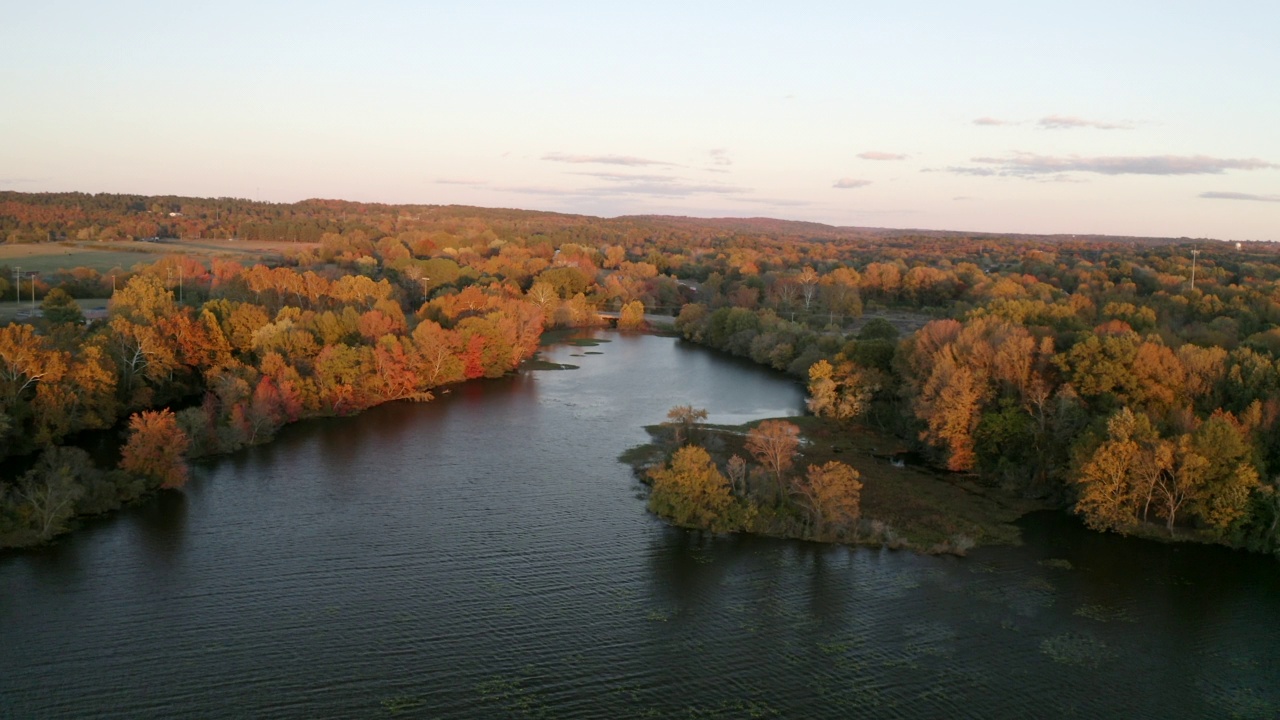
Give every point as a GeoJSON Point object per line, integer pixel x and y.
{"type": "Point", "coordinates": [155, 448]}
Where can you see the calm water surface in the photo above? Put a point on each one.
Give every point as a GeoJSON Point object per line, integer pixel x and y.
{"type": "Point", "coordinates": [485, 555]}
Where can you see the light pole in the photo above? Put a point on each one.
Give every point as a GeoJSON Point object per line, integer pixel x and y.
{"type": "Point", "coordinates": [1194, 253]}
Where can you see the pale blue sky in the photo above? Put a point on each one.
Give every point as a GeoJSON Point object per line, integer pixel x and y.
{"type": "Point", "coordinates": [1148, 118]}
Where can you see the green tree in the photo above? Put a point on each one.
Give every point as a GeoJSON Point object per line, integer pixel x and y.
{"type": "Point", "coordinates": [59, 308]}
{"type": "Point", "coordinates": [51, 489]}
{"type": "Point", "coordinates": [1229, 477]}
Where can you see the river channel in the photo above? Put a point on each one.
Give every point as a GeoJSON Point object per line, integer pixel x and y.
{"type": "Point", "coordinates": [485, 555]}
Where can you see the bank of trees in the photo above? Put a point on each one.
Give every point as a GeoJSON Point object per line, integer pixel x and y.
{"type": "Point", "coordinates": [259, 348]}
{"type": "Point", "coordinates": [1087, 371]}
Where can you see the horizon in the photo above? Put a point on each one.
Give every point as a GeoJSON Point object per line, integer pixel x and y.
{"type": "Point", "coordinates": [1132, 121]}
{"type": "Point", "coordinates": [669, 216]}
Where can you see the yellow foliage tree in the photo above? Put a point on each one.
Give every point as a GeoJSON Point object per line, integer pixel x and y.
{"type": "Point", "coordinates": [691, 491]}
{"type": "Point", "coordinates": [632, 316]}
{"type": "Point", "coordinates": [833, 495]}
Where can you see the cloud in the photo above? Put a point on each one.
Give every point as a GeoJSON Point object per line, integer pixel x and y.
{"type": "Point", "coordinates": [603, 159]}
{"type": "Point", "coordinates": [1068, 122]}
{"type": "Point", "coordinates": [876, 155]}
{"type": "Point", "coordinates": [720, 156]}
{"type": "Point", "coordinates": [772, 201]}
{"type": "Point", "coordinates": [540, 190]}
{"type": "Point", "coordinates": [849, 183]}
{"type": "Point", "coordinates": [624, 177]}
{"type": "Point", "coordinates": [1032, 165]}
{"type": "Point", "coordinates": [1240, 196]}
{"type": "Point", "coordinates": [619, 185]}
{"type": "Point", "coordinates": [669, 189]}
{"type": "Point", "coordinates": [457, 181]}
{"type": "Point", "coordinates": [992, 121]}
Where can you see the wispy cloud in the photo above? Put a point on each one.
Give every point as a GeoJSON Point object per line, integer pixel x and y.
{"type": "Point", "coordinates": [669, 189]}
{"type": "Point", "coordinates": [623, 185]}
{"type": "Point", "coordinates": [850, 183]}
{"type": "Point", "coordinates": [776, 202]}
{"type": "Point", "coordinates": [625, 177]}
{"type": "Point", "coordinates": [1032, 165]}
{"type": "Point", "coordinates": [877, 155]}
{"type": "Point", "coordinates": [627, 160]}
{"type": "Point", "coordinates": [1240, 196]}
{"type": "Point", "coordinates": [1069, 122]}
{"type": "Point", "coordinates": [987, 120]}
{"type": "Point", "coordinates": [459, 181]}
{"type": "Point", "coordinates": [720, 156]}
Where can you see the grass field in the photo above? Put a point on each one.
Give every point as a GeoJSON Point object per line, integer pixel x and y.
{"type": "Point", "coordinates": [48, 257]}
{"type": "Point", "coordinates": [104, 256]}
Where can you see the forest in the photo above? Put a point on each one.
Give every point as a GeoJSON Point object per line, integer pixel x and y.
{"type": "Point", "coordinates": [1134, 382]}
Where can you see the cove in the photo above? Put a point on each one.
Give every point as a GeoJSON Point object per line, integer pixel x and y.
{"type": "Point", "coordinates": [486, 555]}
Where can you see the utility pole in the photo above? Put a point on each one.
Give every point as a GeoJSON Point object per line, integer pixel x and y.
{"type": "Point", "coordinates": [17, 284]}
{"type": "Point", "coordinates": [1194, 253]}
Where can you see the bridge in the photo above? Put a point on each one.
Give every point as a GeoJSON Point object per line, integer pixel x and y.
{"type": "Point", "coordinates": [651, 320]}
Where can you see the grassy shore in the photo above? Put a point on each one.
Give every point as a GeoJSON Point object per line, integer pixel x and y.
{"type": "Point", "coordinates": [919, 508]}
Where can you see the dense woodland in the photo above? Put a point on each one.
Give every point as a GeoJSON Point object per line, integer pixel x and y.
{"type": "Point", "coordinates": [1106, 375]}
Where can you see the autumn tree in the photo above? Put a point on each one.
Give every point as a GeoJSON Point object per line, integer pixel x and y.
{"type": "Point", "coordinates": [950, 403]}
{"type": "Point", "coordinates": [832, 493]}
{"type": "Point", "coordinates": [774, 443]}
{"type": "Point", "coordinates": [842, 392]}
{"type": "Point", "coordinates": [1107, 480]}
{"type": "Point", "coordinates": [736, 470]}
{"type": "Point", "coordinates": [1181, 482]}
{"type": "Point", "coordinates": [155, 448]}
{"type": "Point", "coordinates": [632, 316]}
{"type": "Point", "coordinates": [683, 420]}
{"type": "Point", "coordinates": [691, 491]}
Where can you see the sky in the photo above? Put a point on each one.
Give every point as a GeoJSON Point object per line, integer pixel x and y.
{"type": "Point", "coordinates": [1121, 118]}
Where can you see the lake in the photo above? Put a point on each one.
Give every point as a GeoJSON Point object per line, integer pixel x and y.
{"type": "Point", "coordinates": [485, 555]}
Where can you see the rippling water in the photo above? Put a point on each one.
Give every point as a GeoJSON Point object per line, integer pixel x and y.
{"type": "Point", "coordinates": [485, 555]}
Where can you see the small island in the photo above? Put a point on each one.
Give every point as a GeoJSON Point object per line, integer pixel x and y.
{"type": "Point", "coordinates": [805, 478]}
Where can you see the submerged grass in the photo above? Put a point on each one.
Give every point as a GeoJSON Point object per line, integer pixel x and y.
{"type": "Point", "coordinates": [402, 703]}
{"type": "Point", "coordinates": [1078, 649]}
{"type": "Point", "coordinates": [539, 364]}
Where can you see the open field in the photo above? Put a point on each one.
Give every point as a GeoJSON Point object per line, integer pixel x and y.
{"type": "Point", "coordinates": [104, 256]}
{"type": "Point", "coordinates": [48, 257]}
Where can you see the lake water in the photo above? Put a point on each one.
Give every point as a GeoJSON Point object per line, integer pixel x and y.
{"type": "Point", "coordinates": [486, 556]}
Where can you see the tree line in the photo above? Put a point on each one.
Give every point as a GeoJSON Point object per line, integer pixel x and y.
{"type": "Point", "coordinates": [1122, 378]}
